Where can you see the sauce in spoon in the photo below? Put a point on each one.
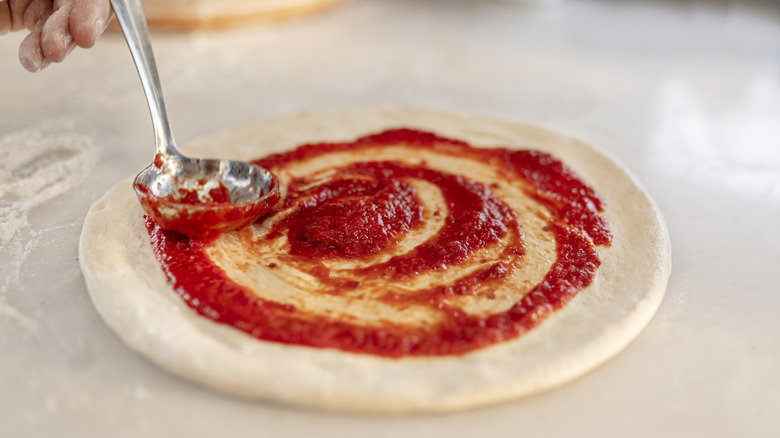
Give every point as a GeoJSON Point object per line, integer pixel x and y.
{"type": "Point", "coordinates": [193, 196]}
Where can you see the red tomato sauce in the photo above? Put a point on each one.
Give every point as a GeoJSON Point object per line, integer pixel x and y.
{"type": "Point", "coordinates": [206, 218]}
{"type": "Point", "coordinates": [364, 210]}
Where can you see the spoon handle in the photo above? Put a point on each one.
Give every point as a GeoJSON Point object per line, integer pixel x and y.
{"type": "Point", "coordinates": [131, 19]}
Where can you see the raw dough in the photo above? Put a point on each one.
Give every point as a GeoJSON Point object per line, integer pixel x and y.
{"type": "Point", "coordinates": [131, 293]}
{"type": "Point", "coordinates": [220, 14]}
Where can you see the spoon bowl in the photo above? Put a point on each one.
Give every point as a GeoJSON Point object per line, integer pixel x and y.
{"type": "Point", "coordinates": [203, 196]}
{"type": "Point", "coordinates": [194, 196]}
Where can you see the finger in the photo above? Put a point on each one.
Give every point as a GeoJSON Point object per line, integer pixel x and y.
{"type": "Point", "coordinates": [36, 11]}
{"type": "Point", "coordinates": [17, 8]}
{"type": "Point", "coordinates": [5, 17]}
{"type": "Point", "coordinates": [30, 53]}
{"type": "Point", "coordinates": [56, 41]}
{"type": "Point", "coordinates": [88, 20]}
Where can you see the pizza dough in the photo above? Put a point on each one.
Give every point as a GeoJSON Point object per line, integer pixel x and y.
{"type": "Point", "coordinates": [132, 294]}
{"type": "Point", "coordinates": [219, 14]}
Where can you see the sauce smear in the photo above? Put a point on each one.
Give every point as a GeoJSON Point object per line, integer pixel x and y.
{"type": "Point", "coordinates": [363, 210]}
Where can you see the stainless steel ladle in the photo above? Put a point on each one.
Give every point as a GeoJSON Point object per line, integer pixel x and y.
{"type": "Point", "coordinates": [175, 190]}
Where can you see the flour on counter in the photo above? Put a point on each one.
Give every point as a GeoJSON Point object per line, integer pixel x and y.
{"type": "Point", "coordinates": [8, 311]}
{"type": "Point", "coordinates": [36, 167]}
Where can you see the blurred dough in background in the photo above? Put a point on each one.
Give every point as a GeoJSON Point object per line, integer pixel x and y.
{"type": "Point", "coordinates": [220, 14]}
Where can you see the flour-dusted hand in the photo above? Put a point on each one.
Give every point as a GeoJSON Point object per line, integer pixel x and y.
{"type": "Point", "coordinates": [56, 27]}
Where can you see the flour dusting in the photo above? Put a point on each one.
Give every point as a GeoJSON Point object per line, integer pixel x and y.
{"type": "Point", "coordinates": [36, 167]}
{"type": "Point", "coordinates": [8, 311]}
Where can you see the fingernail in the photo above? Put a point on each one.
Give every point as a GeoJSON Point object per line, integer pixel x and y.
{"type": "Point", "coordinates": [30, 54]}
{"type": "Point", "coordinates": [33, 64]}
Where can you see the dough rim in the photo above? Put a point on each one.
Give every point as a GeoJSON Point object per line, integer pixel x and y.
{"type": "Point", "coordinates": [132, 295]}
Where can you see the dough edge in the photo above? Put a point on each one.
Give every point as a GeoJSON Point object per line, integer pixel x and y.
{"type": "Point", "coordinates": [132, 295]}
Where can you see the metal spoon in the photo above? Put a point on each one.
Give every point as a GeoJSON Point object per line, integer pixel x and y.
{"type": "Point", "coordinates": [191, 196]}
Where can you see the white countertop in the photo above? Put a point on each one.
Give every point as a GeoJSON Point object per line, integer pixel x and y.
{"type": "Point", "coordinates": [687, 96]}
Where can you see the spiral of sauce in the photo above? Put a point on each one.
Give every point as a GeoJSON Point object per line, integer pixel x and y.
{"type": "Point", "coordinates": [402, 243]}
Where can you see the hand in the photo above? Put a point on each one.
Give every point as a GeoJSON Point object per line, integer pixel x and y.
{"type": "Point", "coordinates": [56, 27]}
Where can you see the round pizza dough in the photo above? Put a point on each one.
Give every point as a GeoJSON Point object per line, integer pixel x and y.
{"type": "Point", "coordinates": [221, 14]}
{"type": "Point", "coordinates": [132, 294]}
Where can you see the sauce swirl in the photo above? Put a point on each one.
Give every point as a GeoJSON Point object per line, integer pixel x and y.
{"type": "Point", "coordinates": [363, 211]}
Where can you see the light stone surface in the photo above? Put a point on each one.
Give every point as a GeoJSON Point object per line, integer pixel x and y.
{"type": "Point", "coordinates": [686, 94]}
